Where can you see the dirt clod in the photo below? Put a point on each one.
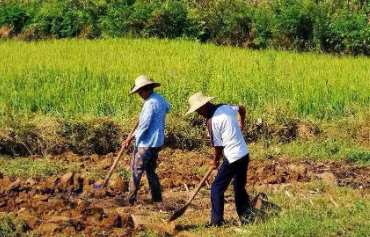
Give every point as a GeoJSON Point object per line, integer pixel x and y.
{"type": "Point", "coordinates": [117, 184]}
{"type": "Point", "coordinates": [29, 219]}
{"type": "Point", "coordinates": [67, 180]}
{"type": "Point", "coordinates": [48, 229]}
{"type": "Point", "coordinates": [14, 186]}
{"type": "Point", "coordinates": [30, 182]}
{"type": "Point", "coordinates": [40, 198]}
{"type": "Point", "coordinates": [328, 178]}
{"type": "Point", "coordinates": [60, 220]}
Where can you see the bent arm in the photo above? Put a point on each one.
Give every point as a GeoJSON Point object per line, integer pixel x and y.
{"type": "Point", "coordinates": [131, 135]}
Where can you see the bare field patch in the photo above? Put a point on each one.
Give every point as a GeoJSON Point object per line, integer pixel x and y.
{"type": "Point", "coordinates": [314, 196]}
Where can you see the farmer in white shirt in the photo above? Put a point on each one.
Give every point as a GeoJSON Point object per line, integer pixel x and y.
{"type": "Point", "coordinates": [227, 139]}
{"type": "Point", "coordinates": [149, 135]}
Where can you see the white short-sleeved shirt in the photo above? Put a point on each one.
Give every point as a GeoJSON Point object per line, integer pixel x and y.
{"type": "Point", "coordinates": [225, 132]}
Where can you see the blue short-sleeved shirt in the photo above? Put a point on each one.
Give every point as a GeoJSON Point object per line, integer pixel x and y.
{"type": "Point", "coordinates": [150, 131]}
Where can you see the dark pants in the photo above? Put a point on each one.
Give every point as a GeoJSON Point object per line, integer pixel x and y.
{"type": "Point", "coordinates": [145, 159]}
{"type": "Point", "coordinates": [227, 171]}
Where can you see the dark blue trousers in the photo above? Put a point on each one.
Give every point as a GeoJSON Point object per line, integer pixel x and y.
{"type": "Point", "coordinates": [237, 171]}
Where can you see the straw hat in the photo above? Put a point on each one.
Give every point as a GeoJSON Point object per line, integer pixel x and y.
{"type": "Point", "coordinates": [142, 81]}
{"type": "Point", "coordinates": [197, 100]}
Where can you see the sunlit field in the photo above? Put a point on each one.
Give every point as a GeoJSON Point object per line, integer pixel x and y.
{"type": "Point", "coordinates": [69, 78]}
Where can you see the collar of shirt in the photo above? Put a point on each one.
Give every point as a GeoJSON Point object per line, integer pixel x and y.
{"type": "Point", "coordinates": [212, 109]}
{"type": "Point", "coordinates": [151, 96]}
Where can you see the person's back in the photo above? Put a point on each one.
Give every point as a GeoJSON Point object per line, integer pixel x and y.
{"type": "Point", "coordinates": [226, 132]}
{"type": "Point", "coordinates": [157, 107]}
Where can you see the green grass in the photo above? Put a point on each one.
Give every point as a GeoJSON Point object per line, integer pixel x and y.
{"type": "Point", "coordinates": [77, 77]}
{"type": "Point", "coordinates": [24, 167]}
{"type": "Point", "coordinates": [304, 214]}
{"type": "Point", "coordinates": [319, 149]}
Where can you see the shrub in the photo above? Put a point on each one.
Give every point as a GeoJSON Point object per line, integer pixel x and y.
{"type": "Point", "coordinates": [347, 32]}
{"type": "Point", "coordinates": [303, 25]}
{"type": "Point", "coordinates": [293, 25]}
{"type": "Point", "coordinates": [14, 15]}
{"type": "Point", "coordinates": [138, 20]}
{"type": "Point", "coordinates": [169, 21]}
{"type": "Point", "coordinates": [114, 23]}
{"type": "Point", "coordinates": [262, 27]}
{"type": "Point", "coordinates": [63, 19]}
{"type": "Point", "coordinates": [227, 22]}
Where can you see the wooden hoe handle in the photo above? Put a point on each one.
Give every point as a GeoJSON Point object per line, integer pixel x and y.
{"type": "Point", "coordinates": [113, 166]}
{"type": "Point", "coordinates": [200, 185]}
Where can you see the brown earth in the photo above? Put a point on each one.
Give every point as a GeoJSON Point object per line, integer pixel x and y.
{"type": "Point", "coordinates": [5, 31]}
{"type": "Point", "coordinates": [68, 204]}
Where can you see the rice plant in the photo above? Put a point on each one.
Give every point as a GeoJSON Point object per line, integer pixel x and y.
{"type": "Point", "coordinates": [70, 78]}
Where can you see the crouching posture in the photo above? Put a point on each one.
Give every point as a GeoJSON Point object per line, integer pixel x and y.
{"type": "Point", "coordinates": [149, 134]}
{"type": "Point", "coordinates": [227, 139]}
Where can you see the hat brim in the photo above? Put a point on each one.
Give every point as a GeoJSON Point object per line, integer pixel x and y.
{"type": "Point", "coordinates": [195, 107]}
{"type": "Point", "coordinates": [136, 88]}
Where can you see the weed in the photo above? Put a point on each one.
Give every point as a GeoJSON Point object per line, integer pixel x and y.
{"type": "Point", "coordinates": [123, 173]}
{"type": "Point", "coordinates": [355, 157]}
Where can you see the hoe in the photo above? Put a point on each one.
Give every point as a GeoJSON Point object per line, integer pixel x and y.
{"type": "Point", "coordinates": [101, 186]}
{"type": "Point", "coordinates": [181, 211]}
{"type": "Point", "coordinates": [257, 201]}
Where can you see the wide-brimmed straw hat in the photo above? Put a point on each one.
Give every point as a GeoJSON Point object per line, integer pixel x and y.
{"type": "Point", "coordinates": [142, 81]}
{"type": "Point", "coordinates": [197, 100]}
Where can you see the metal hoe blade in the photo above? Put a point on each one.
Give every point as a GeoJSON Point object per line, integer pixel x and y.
{"type": "Point", "coordinates": [98, 186]}
{"type": "Point", "coordinates": [178, 213]}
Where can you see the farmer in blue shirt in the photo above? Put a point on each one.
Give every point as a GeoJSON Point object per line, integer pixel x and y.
{"type": "Point", "coordinates": [149, 135]}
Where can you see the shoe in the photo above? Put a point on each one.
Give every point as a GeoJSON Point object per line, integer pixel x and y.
{"type": "Point", "coordinates": [222, 223]}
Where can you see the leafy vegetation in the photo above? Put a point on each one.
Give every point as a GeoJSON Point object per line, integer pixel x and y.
{"type": "Point", "coordinates": [310, 25]}
{"type": "Point", "coordinates": [359, 157]}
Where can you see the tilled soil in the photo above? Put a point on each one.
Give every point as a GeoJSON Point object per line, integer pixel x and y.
{"type": "Point", "coordinates": [68, 203]}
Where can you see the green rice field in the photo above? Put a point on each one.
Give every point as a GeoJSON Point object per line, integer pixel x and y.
{"type": "Point", "coordinates": [70, 78]}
